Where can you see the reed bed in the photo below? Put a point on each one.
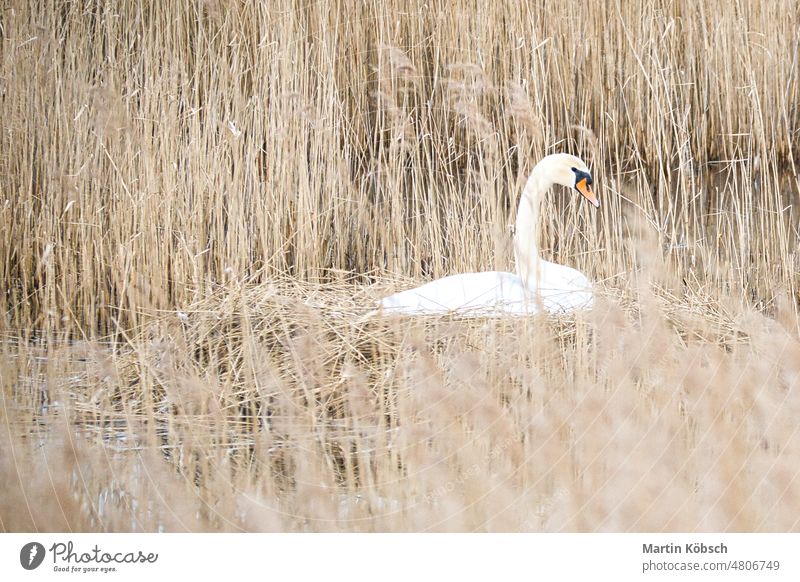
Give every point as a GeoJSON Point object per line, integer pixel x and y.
{"type": "Point", "coordinates": [201, 202]}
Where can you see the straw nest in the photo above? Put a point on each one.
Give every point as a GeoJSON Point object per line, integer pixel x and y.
{"type": "Point", "coordinates": [252, 361]}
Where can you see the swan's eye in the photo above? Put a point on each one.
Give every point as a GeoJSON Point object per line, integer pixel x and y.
{"type": "Point", "coordinates": [574, 169]}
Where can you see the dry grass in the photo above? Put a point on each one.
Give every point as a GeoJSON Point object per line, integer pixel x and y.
{"type": "Point", "coordinates": [200, 202]}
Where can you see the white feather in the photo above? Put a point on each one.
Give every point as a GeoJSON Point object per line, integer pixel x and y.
{"type": "Point", "coordinates": [538, 286]}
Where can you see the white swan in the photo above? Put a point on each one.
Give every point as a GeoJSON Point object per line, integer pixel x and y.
{"type": "Point", "coordinates": [538, 285]}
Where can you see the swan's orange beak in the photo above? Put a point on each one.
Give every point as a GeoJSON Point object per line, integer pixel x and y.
{"type": "Point", "coordinates": [587, 192]}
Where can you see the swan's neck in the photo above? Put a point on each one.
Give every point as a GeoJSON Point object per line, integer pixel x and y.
{"type": "Point", "coordinates": [526, 249]}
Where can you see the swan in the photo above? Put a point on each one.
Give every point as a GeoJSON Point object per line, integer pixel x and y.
{"type": "Point", "coordinates": [537, 285]}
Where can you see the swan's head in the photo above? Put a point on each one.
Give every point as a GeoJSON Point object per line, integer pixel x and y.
{"type": "Point", "coordinates": [571, 172]}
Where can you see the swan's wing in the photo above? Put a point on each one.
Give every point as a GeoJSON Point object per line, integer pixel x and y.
{"type": "Point", "coordinates": [559, 289]}
{"type": "Point", "coordinates": [469, 293]}
{"type": "Point", "coordinates": [564, 289]}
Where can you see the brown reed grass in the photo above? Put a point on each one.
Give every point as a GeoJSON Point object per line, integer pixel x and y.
{"type": "Point", "coordinates": [200, 203]}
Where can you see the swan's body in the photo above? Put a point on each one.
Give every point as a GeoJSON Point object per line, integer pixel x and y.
{"type": "Point", "coordinates": [563, 289]}
{"type": "Point", "coordinates": [538, 285]}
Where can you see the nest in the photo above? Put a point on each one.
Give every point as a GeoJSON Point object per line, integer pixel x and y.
{"type": "Point", "coordinates": [250, 370]}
